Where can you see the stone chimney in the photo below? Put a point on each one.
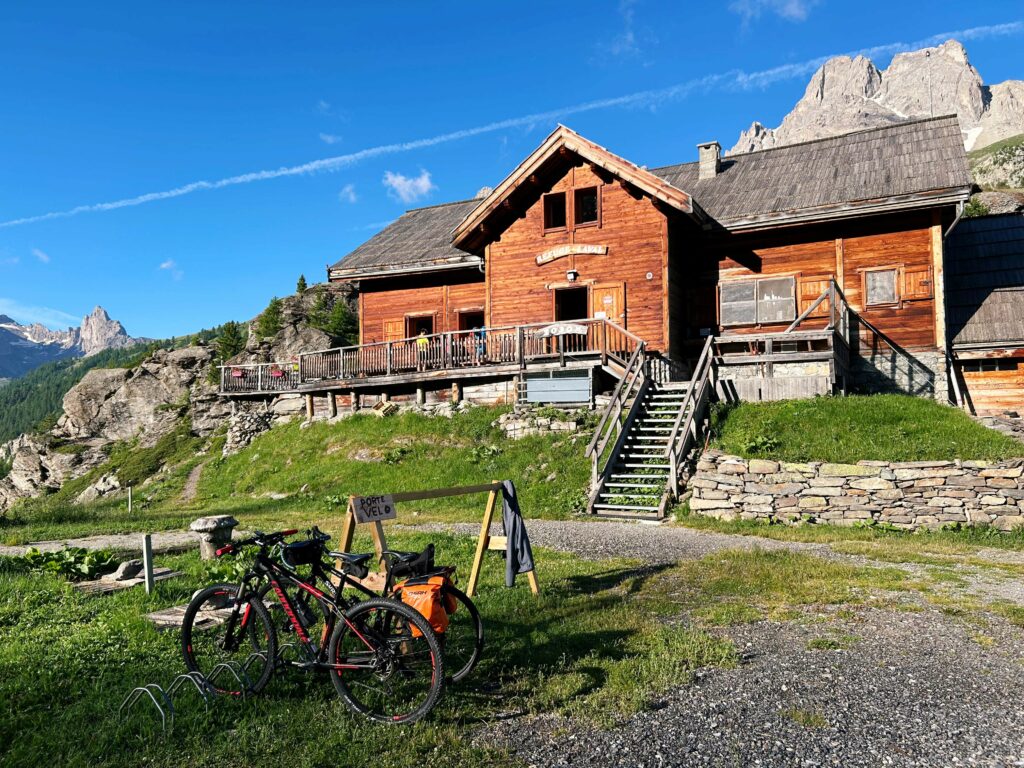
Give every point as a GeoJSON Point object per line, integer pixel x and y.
{"type": "Point", "coordinates": [710, 154]}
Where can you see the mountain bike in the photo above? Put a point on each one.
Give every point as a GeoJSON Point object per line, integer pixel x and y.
{"type": "Point", "coordinates": [384, 658]}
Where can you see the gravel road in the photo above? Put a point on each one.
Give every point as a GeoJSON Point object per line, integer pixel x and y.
{"type": "Point", "coordinates": [913, 690]}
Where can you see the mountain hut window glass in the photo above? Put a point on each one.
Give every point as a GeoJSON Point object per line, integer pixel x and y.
{"type": "Point", "coordinates": [585, 206]}
{"type": "Point", "coordinates": [775, 300]}
{"type": "Point", "coordinates": [880, 287]}
{"type": "Point", "coordinates": [554, 210]}
{"type": "Point", "coordinates": [738, 303]}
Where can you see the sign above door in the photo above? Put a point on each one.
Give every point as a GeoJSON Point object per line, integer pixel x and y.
{"type": "Point", "coordinates": [572, 249]}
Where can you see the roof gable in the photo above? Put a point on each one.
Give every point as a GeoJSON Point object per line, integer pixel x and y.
{"type": "Point", "coordinates": [469, 234]}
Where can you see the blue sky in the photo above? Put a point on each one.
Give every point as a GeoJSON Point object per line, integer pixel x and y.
{"type": "Point", "coordinates": [372, 109]}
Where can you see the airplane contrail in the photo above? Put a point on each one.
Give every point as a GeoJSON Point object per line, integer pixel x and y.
{"type": "Point", "coordinates": [733, 79]}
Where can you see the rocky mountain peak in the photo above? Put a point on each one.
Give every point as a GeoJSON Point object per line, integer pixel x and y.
{"type": "Point", "coordinates": [99, 332]}
{"type": "Point", "coordinates": [850, 94]}
{"type": "Point", "coordinates": [5, 320]}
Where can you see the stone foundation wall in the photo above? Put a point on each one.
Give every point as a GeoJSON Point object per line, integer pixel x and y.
{"type": "Point", "coordinates": [911, 495]}
{"type": "Point", "coordinates": [921, 373]}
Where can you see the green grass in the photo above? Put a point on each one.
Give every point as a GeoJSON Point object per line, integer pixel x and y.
{"type": "Point", "coordinates": [595, 644]}
{"type": "Point", "coordinates": [809, 718]}
{"type": "Point", "coordinates": [315, 469]}
{"type": "Point", "coordinates": [848, 429]}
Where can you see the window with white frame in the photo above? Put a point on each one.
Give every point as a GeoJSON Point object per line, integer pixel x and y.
{"type": "Point", "coordinates": [757, 302]}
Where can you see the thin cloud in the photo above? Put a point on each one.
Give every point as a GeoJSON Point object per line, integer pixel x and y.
{"type": "Point", "coordinates": [41, 255]}
{"type": "Point", "coordinates": [171, 266]}
{"type": "Point", "coordinates": [347, 194]}
{"type": "Point", "coordinates": [408, 189]}
{"type": "Point", "coordinates": [733, 80]}
{"type": "Point", "coordinates": [625, 44]}
{"type": "Point", "coordinates": [323, 106]}
{"type": "Point", "coordinates": [26, 314]}
{"type": "Point", "coordinates": [329, 138]}
{"type": "Point", "coordinates": [791, 10]}
{"type": "Point", "coordinates": [10, 261]}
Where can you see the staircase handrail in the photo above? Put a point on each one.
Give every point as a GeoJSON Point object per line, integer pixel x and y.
{"type": "Point", "coordinates": [701, 372]}
{"type": "Point", "coordinates": [606, 425]}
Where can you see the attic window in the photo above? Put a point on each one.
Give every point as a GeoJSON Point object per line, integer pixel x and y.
{"type": "Point", "coordinates": [585, 208]}
{"type": "Point", "coordinates": [554, 211]}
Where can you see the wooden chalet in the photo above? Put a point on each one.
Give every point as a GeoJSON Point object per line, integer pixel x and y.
{"type": "Point", "coordinates": [799, 270]}
{"type": "Point", "coordinates": [985, 295]}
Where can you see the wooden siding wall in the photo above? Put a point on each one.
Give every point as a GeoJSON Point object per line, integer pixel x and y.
{"type": "Point", "coordinates": [635, 231]}
{"type": "Point", "coordinates": [443, 295]}
{"type": "Point", "coordinates": [992, 392]}
{"type": "Point", "coordinates": [812, 255]}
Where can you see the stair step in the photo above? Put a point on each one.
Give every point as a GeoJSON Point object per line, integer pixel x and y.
{"type": "Point", "coordinates": [626, 506]}
{"type": "Point", "coordinates": [647, 420]}
{"type": "Point", "coordinates": [628, 476]}
{"type": "Point", "coordinates": [633, 485]}
{"type": "Point", "coordinates": [634, 465]}
{"type": "Point", "coordinates": [652, 429]}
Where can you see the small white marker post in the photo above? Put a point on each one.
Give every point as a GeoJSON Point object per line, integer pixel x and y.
{"type": "Point", "coordinates": [129, 499]}
{"type": "Point", "coordinates": [147, 561]}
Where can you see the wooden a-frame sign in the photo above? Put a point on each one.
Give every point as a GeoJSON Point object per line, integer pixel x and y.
{"type": "Point", "coordinates": [378, 510]}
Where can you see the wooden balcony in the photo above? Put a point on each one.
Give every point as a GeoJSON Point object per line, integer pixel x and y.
{"type": "Point", "coordinates": [463, 354]}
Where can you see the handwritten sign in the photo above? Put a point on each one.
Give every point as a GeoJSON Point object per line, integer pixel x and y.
{"type": "Point", "coordinates": [373, 509]}
{"type": "Point", "coordinates": [572, 249]}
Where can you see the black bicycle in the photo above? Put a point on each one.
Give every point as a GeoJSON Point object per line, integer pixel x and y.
{"type": "Point", "coordinates": [384, 657]}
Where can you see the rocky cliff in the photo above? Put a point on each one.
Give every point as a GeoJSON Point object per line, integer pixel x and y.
{"type": "Point", "coordinates": [111, 405]}
{"type": "Point", "coordinates": [849, 94]}
{"type": "Point", "coordinates": [24, 347]}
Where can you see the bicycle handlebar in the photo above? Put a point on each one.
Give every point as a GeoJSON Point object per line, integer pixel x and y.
{"type": "Point", "coordinates": [258, 537]}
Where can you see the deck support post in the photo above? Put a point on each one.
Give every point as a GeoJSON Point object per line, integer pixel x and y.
{"type": "Point", "coordinates": [421, 396]}
{"type": "Point", "coordinates": [332, 404]}
{"type": "Point", "coordinates": [456, 392]}
{"type": "Point", "coordinates": [383, 397]}
{"type": "Point", "coordinates": [355, 401]}
{"type": "Point", "coordinates": [309, 407]}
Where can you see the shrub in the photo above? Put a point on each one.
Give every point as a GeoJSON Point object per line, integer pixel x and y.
{"type": "Point", "coordinates": [73, 563]}
{"type": "Point", "coordinates": [5, 467]}
{"type": "Point", "coordinates": [974, 208]}
{"type": "Point", "coordinates": [271, 319]}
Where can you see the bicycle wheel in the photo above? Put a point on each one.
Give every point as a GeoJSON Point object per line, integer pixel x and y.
{"type": "Point", "coordinates": [397, 672]}
{"type": "Point", "coordinates": [234, 657]}
{"type": "Point", "coordinates": [463, 641]}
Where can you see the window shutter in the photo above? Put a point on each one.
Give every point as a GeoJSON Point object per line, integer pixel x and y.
{"type": "Point", "coordinates": [917, 283]}
{"type": "Point", "coordinates": [810, 289]}
{"type": "Point", "coordinates": [394, 330]}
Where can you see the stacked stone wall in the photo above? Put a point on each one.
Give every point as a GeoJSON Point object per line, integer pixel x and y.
{"type": "Point", "coordinates": [910, 495]}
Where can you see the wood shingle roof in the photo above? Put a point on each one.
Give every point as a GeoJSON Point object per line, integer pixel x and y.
{"type": "Point", "coordinates": [917, 163]}
{"type": "Point", "coordinates": [985, 281]}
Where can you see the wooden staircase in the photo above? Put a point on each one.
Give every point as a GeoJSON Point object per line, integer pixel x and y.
{"type": "Point", "coordinates": [638, 483]}
{"type": "Point", "coordinates": [644, 437]}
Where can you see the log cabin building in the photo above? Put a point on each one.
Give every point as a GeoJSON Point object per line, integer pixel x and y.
{"type": "Point", "coordinates": [985, 296]}
{"type": "Point", "coordinates": [737, 248]}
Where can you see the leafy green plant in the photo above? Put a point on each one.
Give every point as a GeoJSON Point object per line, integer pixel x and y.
{"type": "Point", "coordinates": [72, 563]}
{"type": "Point", "coordinates": [482, 453]}
{"type": "Point", "coordinates": [5, 467]}
{"type": "Point", "coordinates": [395, 455]}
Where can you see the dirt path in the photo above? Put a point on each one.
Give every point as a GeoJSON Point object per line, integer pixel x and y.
{"type": "Point", "coordinates": [188, 493]}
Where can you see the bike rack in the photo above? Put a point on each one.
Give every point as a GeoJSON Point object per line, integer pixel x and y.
{"type": "Point", "coordinates": [162, 699]}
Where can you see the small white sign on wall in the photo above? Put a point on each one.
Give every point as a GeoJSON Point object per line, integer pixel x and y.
{"type": "Point", "coordinates": [373, 509]}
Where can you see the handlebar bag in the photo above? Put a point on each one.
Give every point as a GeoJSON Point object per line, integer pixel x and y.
{"type": "Point", "coordinates": [303, 552]}
{"type": "Point", "coordinates": [426, 599]}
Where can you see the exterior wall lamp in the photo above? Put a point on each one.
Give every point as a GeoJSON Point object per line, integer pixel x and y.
{"type": "Point", "coordinates": [571, 275]}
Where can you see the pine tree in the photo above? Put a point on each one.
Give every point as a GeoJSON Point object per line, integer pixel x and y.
{"type": "Point", "coordinates": [340, 324]}
{"type": "Point", "coordinates": [271, 320]}
{"type": "Point", "coordinates": [319, 312]}
{"type": "Point", "coordinates": [230, 341]}
{"type": "Point", "coordinates": [301, 285]}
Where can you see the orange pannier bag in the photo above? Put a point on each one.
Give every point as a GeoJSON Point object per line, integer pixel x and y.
{"type": "Point", "coordinates": [425, 598]}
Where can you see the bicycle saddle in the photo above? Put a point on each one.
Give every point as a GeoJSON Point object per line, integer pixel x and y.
{"type": "Point", "coordinates": [349, 558]}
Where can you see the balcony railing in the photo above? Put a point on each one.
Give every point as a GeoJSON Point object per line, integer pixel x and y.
{"type": "Point", "coordinates": [420, 356]}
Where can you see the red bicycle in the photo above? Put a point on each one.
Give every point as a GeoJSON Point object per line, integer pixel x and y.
{"type": "Point", "coordinates": [384, 657]}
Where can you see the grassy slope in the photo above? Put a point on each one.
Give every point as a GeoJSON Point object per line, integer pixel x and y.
{"type": "Point", "coordinates": [318, 466]}
{"type": "Point", "coordinates": [880, 427]}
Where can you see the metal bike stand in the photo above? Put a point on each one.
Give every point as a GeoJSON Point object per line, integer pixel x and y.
{"type": "Point", "coordinates": [203, 688]}
{"type": "Point", "coordinates": [150, 691]}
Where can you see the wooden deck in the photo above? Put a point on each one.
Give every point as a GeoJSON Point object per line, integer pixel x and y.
{"type": "Point", "coordinates": [484, 353]}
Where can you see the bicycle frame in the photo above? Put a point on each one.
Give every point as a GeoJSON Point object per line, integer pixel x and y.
{"type": "Point", "coordinates": [333, 607]}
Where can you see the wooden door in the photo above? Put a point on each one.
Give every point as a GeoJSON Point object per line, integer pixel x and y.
{"type": "Point", "coordinates": [608, 301]}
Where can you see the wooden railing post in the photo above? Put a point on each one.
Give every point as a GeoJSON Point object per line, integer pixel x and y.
{"type": "Point", "coordinates": [259, 378]}
{"type": "Point", "coordinates": [604, 343]}
{"type": "Point", "coordinates": [223, 388]}
{"type": "Point", "coordinates": [387, 357]}
{"type": "Point", "coordinates": [520, 346]}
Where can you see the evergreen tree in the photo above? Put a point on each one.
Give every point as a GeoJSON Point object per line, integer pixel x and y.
{"type": "Point", "coordinates": [301, 285]}
{"type": "Point", "coordinates": [271, 320]}
{"type": "Point", "coordinates": [341, 324]}
{"type": "Point", "coordinates": [230, 341]}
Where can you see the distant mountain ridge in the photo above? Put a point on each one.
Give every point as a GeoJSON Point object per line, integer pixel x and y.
{"type": "Point", "coordinates": [24, 347]}
{"type": "Point", "coordinates": [850, 94]}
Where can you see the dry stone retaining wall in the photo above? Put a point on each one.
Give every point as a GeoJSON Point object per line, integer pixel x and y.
{"type": "Point", "coordinates": [913, 494]}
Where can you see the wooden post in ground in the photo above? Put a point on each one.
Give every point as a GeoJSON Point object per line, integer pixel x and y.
{"type": "Point", "coordinates": [147, 561]}
{"type": "Point", "coordinates": [309, 407]}
{"type": "Point", "coordinates": [129, 499]}
{"type": "Point", "coordinates": [332, 404]}
{"type": "Point", "coordinates": [456, 393]}
{"type": "Point", "coordinates": [421, 396]}
{"type": "Point", "coordinates": [355, 401]}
